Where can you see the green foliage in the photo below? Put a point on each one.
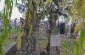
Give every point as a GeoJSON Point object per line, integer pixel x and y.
{"type": "Point", "coordinates": [0, 15]}
{"type": "Point", "coordinates": [13, 31]}
{"type": "Point", "coordinates": [67, 46]}
{"type": "Point", "coordinates": [76, 50]}
{"type": "Point", "coordinates": [6, 17]}
{"type": "Point", "coordinates": [82, 35]}
{"type": "Point", "coordinates": [78, 12]}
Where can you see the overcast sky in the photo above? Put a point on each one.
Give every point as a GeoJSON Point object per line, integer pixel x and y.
{"type": "Point", "coordinates": [15, 11]}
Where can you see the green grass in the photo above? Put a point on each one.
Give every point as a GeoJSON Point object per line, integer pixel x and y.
{"type": "Point", "coordinates": [13, 31]}
{"type": "Point", "coordinates": [67, 46]}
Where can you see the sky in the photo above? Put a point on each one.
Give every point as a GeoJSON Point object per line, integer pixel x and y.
{"type": "Point", "coordinates": [15, 11]}
{"type": "Point", "coordinates": [1, 5]}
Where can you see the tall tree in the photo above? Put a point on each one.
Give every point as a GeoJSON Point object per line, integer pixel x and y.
{"type": "Point", "coordinates": [30, 20]}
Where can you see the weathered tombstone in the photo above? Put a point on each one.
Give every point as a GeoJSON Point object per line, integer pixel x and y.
{"type": "Point", "coordinates": [0, 26]}
{"type": "Point", "coordinates": [24, 39]}
{"type": "Point", "coordinates": [15, 22]}
{"type": "Point", "coordinates": [54, 45]}
{"type": "Point", "coordinates": [11, 49]}
{"type": "Point", "coordinates": [21, 21]}
{"type": "Point", "coordinates": [43, 40]}
{"type": "Point", "coordinates": [42, 31]}
{"type": "Point", "coordinates": [46, 26]}
{"type": "Point", "coordinates": [33, 45]}
{"type": "Point", "coordinates": [10, 27]}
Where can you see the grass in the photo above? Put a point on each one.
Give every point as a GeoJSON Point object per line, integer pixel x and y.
{"type": "Point", "coordinates": [67, 46]}
{"type": "Point", "coordinates": [14, 32]}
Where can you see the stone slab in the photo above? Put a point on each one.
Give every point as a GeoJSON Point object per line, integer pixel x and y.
{"type": "Point", "coordinates": [54, 40]}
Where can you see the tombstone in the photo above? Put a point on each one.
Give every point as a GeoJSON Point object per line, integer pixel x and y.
{"type": "Point", "coordinates": [54, 45]}
{"type": "Point", "coordinates": [46, 26]}
{"type": "Point", "coordinates": [21, 21]}
{"type": "Point", "coordinates": [33, 45]}
{"type": "Point", "coordinates": [10, 27]}
{"type": "Point", "coordinates": [43, 40]}
{"type": "Point", "coordinates": [15, 22]}
{"type": "Point", "coordinates": [42, 31]}
{"type": "Point", "coordinates": [1, 26]}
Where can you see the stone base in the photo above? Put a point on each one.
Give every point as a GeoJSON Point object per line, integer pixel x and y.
{"type": "Point", "coordinates": [55, 50]}
{"type": "Point", "coordinates": [11, 50]}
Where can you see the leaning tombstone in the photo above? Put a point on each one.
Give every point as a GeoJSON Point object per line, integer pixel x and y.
{"type": "Point", "coordinates": [33, 45]}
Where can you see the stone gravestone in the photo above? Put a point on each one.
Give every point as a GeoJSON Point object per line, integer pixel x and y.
{"type": "Point", "coordinates": [46, 26]}
{"type": "Point", "coordinates": [42, 32]}
{"type": "Point", "coordinates": [33, 45]}
{"type": "Point", "coordinates": [54, 45]}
